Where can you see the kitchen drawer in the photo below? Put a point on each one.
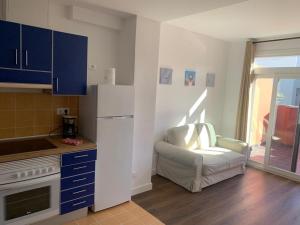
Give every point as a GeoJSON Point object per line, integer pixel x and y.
{"type": "Point", "coordinates": [78, 192]}
{"type": "Point", "coordinates": [76, 181]}
{"type": "Point", "coordinates": [78, 157]}
{"type": "Point", "coordinates": [77, 204]}
{"type": "Point", "coordinates": [73, 170]}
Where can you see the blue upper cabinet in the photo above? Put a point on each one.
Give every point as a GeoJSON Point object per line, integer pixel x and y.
{"type": "Point", "coordinates": [36, 48]}
{"type": "Point", "coordinates": [10, 45]}
{"type": "Point", "coordinates": [40, 56]}
{"type": "Point", "coordinates": [69, 64]}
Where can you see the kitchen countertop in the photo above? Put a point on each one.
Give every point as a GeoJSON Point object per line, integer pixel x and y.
{"type": "Point", "coordinates": [60, 149]}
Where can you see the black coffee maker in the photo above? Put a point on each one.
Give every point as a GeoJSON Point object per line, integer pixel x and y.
{"type": "Point", "coordinates": [69, 126]}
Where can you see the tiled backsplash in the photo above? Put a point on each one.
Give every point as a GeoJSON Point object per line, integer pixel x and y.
{"type": "Point", "coordinates": [30, 114]}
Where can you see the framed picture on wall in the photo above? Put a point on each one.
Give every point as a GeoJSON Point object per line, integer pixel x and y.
{"type": "Point", "coordinates": [189, 77]}
{"type": "Point", "coordinates": [165, 75]}
{"type": "Point", "coordinates": [210, 79]}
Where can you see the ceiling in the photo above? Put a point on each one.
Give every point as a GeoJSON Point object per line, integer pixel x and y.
{"type": "Point", "coordinates": [249, 19]}
{"type": "Point", "coordinates": [160, 10]}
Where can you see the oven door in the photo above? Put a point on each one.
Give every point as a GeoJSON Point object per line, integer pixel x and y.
{"type": "Point", "coordinates": [29, 201]}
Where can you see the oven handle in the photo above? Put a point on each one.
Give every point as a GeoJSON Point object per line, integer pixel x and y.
{"type": "Point", "coordinates": [26, 183]}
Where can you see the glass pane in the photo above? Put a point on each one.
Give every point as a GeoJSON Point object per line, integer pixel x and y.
{"type": "Point", "coordinates": [260, 118]}
{"type": "Point", "coordinates": [283, 137]}
{"type": "Point", "coordinates": [277, 61]}
{"type": "Point", "coordinates": [28, 202]}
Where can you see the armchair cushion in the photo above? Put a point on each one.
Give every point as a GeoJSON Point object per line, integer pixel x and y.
{"type": "Point", "coordinates": [217, 159]}
{"type": "Point", "coordinates": [184, 136]}
{"type": "Point", "coordinates": [233, 144]}
{"type": "Point", "coordinates": [178, 154]}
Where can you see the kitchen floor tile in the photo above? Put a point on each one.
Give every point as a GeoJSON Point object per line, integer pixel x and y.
{"type": "Point", "coordinates": [124, 214]}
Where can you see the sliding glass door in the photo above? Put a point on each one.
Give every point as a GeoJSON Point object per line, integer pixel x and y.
{"type": "Point", "coordinates": [274, 123]}
{"type": "Point", "coordinates": [259, 122]}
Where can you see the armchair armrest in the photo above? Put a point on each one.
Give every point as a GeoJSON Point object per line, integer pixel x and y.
{"type": "Point", "coordinates": [233, 144]}
{"type": "Point", "coordinates": [179, 154]}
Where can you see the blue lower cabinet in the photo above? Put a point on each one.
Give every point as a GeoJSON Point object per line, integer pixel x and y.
{"type": "Point", "coordinates": [76, 181]}
{"type": "Point", "coordinates": [76, 193]}
{"type": "Point", "coordinates": [72, 170]}
{"type": "Point", "coordinates": [78, 157]}
{"type": "Point", "coordinates": [76, 204]}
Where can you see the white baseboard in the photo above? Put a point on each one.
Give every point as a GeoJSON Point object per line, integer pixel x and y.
{"type": "Point", "coordinates": [153, 172]}
{"type": "Point", "coordinates": [141, 189]}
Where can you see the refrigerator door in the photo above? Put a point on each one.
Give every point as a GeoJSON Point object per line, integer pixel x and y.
{"type": "Point", "coordinates": [115, 100]}
{"type": "Point", "coordinates": [113, 166]}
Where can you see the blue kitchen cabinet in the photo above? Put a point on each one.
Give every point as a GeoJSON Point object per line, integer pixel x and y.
{"type": "Point", "coordinates": [77, 180]}
{"type": "Point", "coordinates": [36, 48]}
{"type": "Point", "coordinates": [10, 45]}
{"type": "Point", "coordinates": [69, 64]}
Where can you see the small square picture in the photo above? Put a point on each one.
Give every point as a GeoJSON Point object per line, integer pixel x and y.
{"type": "Point", "coordinates": [165, 75]}
{"type": "Point", "coordinates": [189, 78]}
{"type": "Point", "coordinates": [210, 79]}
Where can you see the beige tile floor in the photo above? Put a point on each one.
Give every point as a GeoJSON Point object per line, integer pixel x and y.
{"type": "Point", "coordinates": [125, 214]}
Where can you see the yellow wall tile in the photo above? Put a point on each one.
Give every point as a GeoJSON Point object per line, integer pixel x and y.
{"type": "Point", "coordinates": [24, 118]}
{"type": "Point", "coordinates": [43, 118]}
{"type": "Point", "coordinates": [7, 133]}
{"type": "Point", "coordinates": [41, 130]}
{"type": "Point", "coordinates": [23, 131]}
{"type": "Point", "coordinates": [43, 101]}
{"type": "Point", "coordinates": [7, 119]}
{"type": "Point", "coordinates": [7, 101]}
{"type": "Point", "coordinates": [24, 101]}
{"type": "Point", "coordinates": [60, 101]}
{"type": "Point", "coordinates": [28, 114]}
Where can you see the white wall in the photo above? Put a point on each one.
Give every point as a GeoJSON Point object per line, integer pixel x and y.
{"type": "Point", "coordinates": [126, 55]}
{"type": "Point", "coordinates": [2, 9]}
{"type": "Point", "coordinates": [232, 90]}
{"type": "Point", "coordinates": [177, 104]}
{"type": "Point", "coordinates": [145, 78]}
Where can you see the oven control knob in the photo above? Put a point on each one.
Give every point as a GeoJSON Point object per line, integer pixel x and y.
{"type": "Point", "coordinates": [23, 174]}
{"type": "Point", "coordinates": [44, 170]}
{"type": "Point", "coordinates": [30, 173]}
{"type": "Point", "coordinates": [36, 171]}
{"type": "Point", "coordinates": [17, 175]}
{"type": "Point", "coordinates": [51, 169]}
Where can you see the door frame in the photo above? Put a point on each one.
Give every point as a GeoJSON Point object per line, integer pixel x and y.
{"type": "Point", "coordinates": [276, 74]}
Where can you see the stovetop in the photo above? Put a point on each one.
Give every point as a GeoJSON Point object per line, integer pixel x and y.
{"type": "Point", "coordinates": [25, 145]}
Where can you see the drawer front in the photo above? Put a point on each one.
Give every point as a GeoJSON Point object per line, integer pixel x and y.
{"type": "Point", "coordinates": [78, 157]}
{"type": "Point", "coordinates": [76, 204]}
{"type": "Point", "coordinates": [73, 170]}
{"type": "Point", "coordinates": [76, 181]}
{"type": "Point", "coordinates": [76, 193]}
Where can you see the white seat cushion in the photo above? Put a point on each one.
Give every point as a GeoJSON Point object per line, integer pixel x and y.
{"type": "Point", "coordinates": [216, 159]}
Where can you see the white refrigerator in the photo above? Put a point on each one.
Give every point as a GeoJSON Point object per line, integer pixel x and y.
{"type": "Point", "coordinates": [106, 117]}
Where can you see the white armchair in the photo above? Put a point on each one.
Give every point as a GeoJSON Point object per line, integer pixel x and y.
{"type": "Point", "coordinates": [194, 157]}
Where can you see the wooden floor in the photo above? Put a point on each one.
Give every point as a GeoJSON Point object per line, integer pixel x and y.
{"type": "Point", "coordinates": [257, 198]}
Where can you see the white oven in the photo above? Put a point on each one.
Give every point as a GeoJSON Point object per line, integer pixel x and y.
{"type": "Point", "coordinates": [29, 190]}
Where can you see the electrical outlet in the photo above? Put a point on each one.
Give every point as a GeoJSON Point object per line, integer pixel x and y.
{"type": "Point", "coordinates": [62, 111]}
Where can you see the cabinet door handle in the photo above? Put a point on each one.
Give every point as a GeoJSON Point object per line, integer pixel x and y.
{"type": "Point", "coordinates": [78, 180]}
{"type": "Point", "coordinates": [80, 167]}
{"type": "Point", "coordinates": [79, 203]}
{"type": "Point", "coordinates": [78, 192]}
{"type": "Point", "coordinates": [26, 58]}
{"type": "Point", "coordinates": [16, 53]}
{"type": "Point", "coordinates": [80, 156]}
